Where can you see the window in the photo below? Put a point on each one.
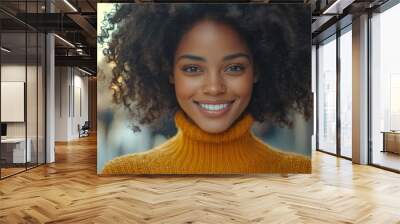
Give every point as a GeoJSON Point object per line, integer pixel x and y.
{"type": "Point", "coordinates": [346, 92]}
{"type": "Point", "coordinates": [327, 95]}
{"type": "Point", "coordinates": [385, 88]}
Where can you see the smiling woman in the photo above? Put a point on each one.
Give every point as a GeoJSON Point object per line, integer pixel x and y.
{"type": "Point", "coordinates": [218, 68]}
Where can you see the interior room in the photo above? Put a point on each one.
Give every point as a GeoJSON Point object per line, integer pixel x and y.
{"type": "Point", "coordinates": [22, 98]}
{"type": "Point", "coordinates": [52, 89]}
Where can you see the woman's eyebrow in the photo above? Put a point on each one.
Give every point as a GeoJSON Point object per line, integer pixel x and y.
{"type": "Point", "coordinates": [236, 55]}
{"type": "Point", "coordinates": [226, 58]}
{"type": "Point", "coordinates": [191, 57]}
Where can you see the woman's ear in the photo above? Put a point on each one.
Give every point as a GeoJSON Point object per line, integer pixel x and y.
{"type": "Point", "coordinates": [171, 79]}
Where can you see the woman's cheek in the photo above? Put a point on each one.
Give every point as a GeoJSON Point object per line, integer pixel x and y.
{"type": "Point", "coordinates": [186, 87]}
{"type": "Point", "coordinates": [242, 86]}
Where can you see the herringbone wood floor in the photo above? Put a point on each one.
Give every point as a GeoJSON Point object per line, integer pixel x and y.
{"type": "Point", "coordinates": [69, 191]}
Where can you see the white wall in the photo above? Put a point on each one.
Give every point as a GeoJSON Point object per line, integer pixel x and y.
{"type": "Point", "coordinates": [71, 94]}
{"type": "Point", "coordinates": [13, 72]}
{"type": "Point", "coordinates": [61, 103]}
{"type": "Point", "coordinates": [80, 110]}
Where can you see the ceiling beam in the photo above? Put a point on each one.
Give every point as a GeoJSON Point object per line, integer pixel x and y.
{"type": "Point", "coordinates": [84, 61]}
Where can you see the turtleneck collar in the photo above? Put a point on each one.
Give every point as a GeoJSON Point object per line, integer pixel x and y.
{"type": "Point", "coordinates": [240, 129]}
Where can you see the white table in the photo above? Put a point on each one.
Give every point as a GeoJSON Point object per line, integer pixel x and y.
{"type": "Point", "coordinates": [19, 155]}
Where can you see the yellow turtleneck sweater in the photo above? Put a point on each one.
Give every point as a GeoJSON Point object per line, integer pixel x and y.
{"type": "Point", "coordinates": [193, 151]}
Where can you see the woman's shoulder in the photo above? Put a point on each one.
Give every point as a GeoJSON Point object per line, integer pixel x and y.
{"type": "Point", "coordinates": [297, 163]}
{"type": "Point", "coordinates": [148, 162]}
{"type": "Point", "coordinates": [127, 164]}
{"type": "Point", "coordinates": [286, 162]}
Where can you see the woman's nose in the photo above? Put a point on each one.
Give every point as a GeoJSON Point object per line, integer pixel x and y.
{"type": "Point", "coordinates": [214, 84]}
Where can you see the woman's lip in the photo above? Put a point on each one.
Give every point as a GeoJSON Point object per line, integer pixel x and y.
{"type": "Point", "coordinates": [214, 109]}
{"type": "Point", "coordinates": [213, 102]}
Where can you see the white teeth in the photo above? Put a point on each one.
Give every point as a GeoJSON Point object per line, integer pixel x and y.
{"type": "Point", "coordinates": [213, 107]}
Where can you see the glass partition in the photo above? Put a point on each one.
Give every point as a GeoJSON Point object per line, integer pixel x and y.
{"type": "Point", "coordinates": [13, 109]}
{"type": "Point", "coordinates": [22, 89]}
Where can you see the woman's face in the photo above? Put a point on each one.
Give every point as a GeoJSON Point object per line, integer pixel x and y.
{"type": "Point", "coordinates": [213, 75]}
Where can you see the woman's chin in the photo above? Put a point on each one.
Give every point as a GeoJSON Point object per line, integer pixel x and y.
{"type": "Point", "coordinates": [213, 128]}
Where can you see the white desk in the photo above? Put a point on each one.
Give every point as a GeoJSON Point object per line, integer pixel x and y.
{"type": "Point", "coordinates": [19, 149]}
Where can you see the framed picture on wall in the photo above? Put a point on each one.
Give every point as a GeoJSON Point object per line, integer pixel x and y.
{"type": "Point", "coordinates": [12, 101]}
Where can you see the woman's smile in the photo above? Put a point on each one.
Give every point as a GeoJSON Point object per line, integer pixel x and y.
{"type": "Point", "coordinates": [214, 109]}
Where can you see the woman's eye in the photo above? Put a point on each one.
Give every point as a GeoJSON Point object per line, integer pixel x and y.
{"type": "Point", "coordinates": [191, 69]}
{"type": "Point", "coordinates": [234, 68]}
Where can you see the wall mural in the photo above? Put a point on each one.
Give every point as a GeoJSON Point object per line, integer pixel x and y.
{"type": "Point", "coordinates": [204, 88]}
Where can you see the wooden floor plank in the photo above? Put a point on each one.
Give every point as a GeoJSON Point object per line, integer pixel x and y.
{"type": "Point", "coordinates": [69, 191]}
